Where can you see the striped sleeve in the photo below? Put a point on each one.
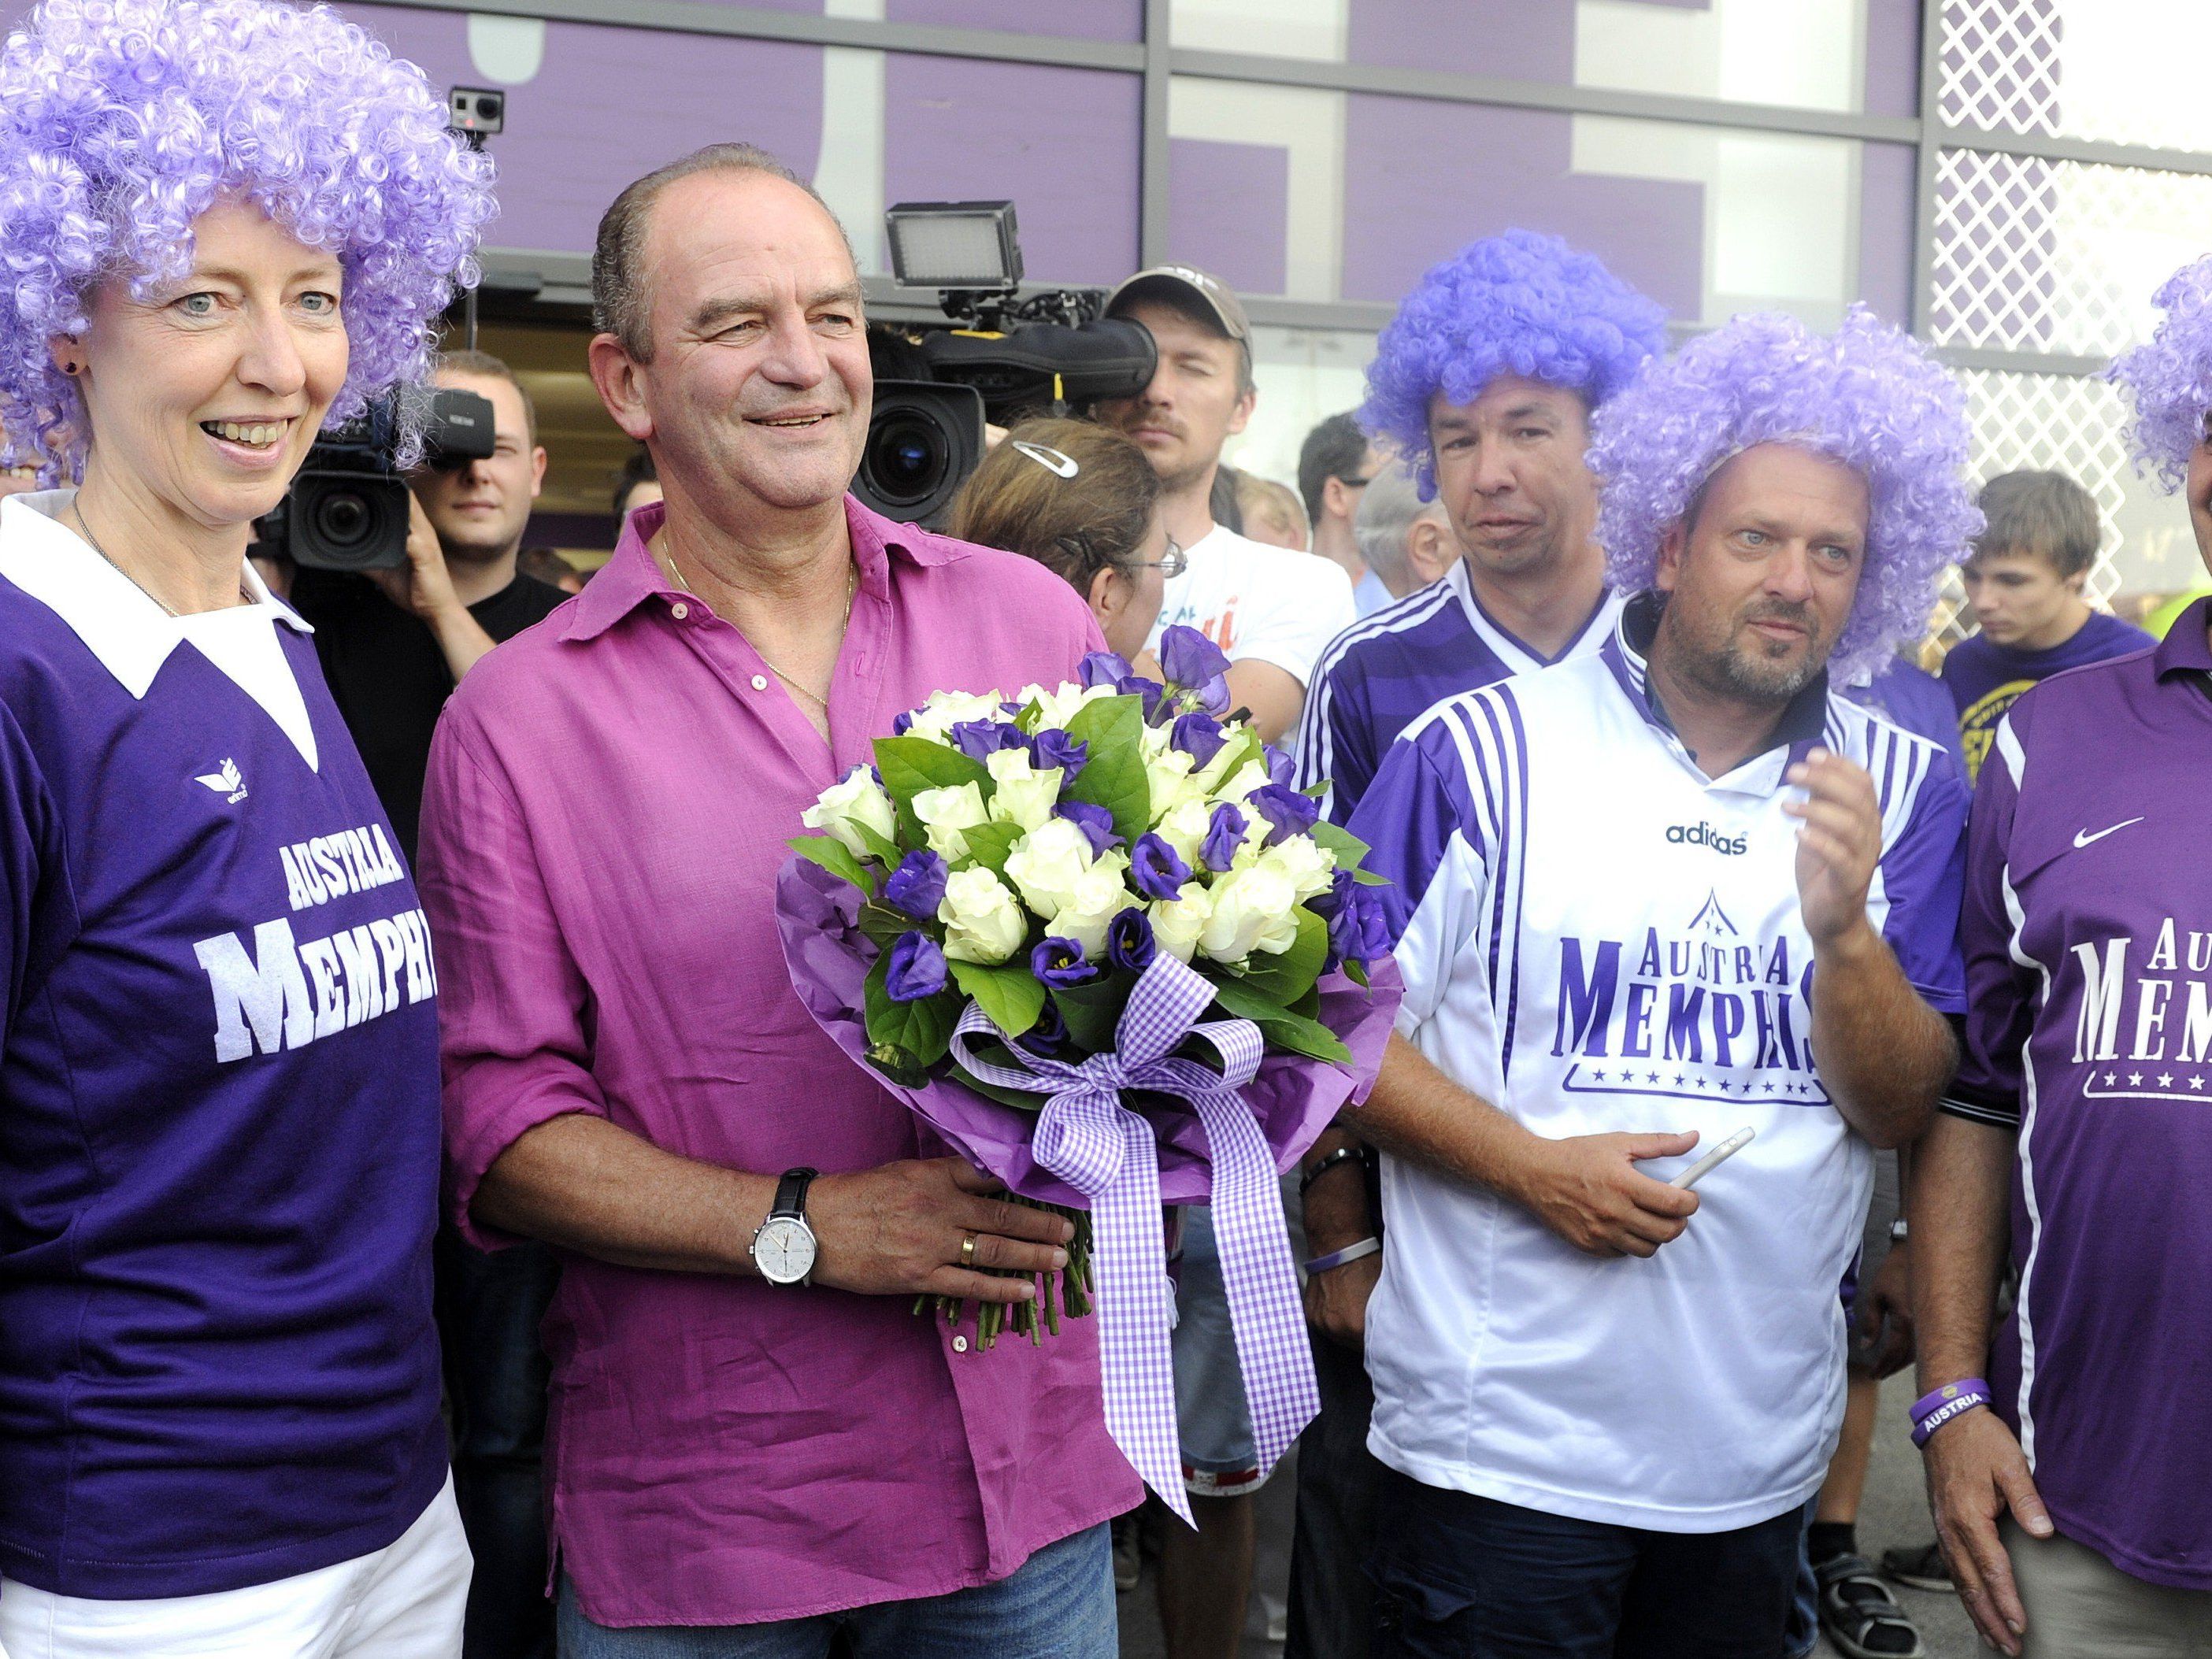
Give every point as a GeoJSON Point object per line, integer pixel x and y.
{"type": "Point", "coordinates": [1922, 864]}
{"type": "Point", "coordinates": [2001, 989]}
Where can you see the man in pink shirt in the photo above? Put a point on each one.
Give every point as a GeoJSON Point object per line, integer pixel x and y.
{"type": "Point", "coordinates": [752, 1437]}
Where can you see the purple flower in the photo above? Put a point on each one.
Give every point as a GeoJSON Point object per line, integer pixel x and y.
{"type": "Point", "coordinates": [917, 886]}
{"type": "Point", "coordinates": [1149, 693]}
{"type": "Point", "coordinates": [1281, 767]}
{"type": "Point", "coordinates": [1095, 822]}
{"type": "Point", "coordinates": [1357, 930]}
{"type": "Point", "coordinates": [1049, 1035]}
{"type": "Point", "coordinates": [916, 970]}
{"type": "Point", "coordinates": [1104, 668]}
{"type": "Point", "coordinates": [1055, 748]}
{"type": "Point", "coordinates": [1195, 664]}
{"type": "Point", "coordinates": [1224, 834]}
{"type": "Point", "coordinates": [1060, 961]}
{"type": "Point", "coordinates": [1129, 944]}
{"type": "Point", "coordinates": [1157, 868]}
{"type": "Point", "coordinates": [903, 725]}
{"type": "Point", "coordinates": [980, 739]}
{"type": "Point", "coordinates": [1198, 735]}
{"type": "Point", "coordinates": [1290, 812]}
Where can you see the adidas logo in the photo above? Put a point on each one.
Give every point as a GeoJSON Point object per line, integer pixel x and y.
{"type": "Point", "coordinates": [228, 783]}
{"type": "Point", "coordinates": [1703, 835]}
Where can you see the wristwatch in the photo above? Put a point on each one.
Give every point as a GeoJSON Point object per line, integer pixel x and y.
{"type": "Point", "coordinates": [783, 1248]}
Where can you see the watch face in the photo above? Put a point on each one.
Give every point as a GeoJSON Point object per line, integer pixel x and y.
{"type": "Point", "coordinates": [783, 1249]}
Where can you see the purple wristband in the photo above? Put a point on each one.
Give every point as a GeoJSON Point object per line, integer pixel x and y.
{"type": "Point", "coordinates": [1932, 1411]}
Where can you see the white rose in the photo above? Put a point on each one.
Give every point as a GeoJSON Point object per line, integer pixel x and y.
{"type": "Point", "coordinates": [1057, 708]}
{"type": "Point", "coordinates": [1184, 829]}
{"type": "Point", "coordinates": [1304, 862]}
{"type": "Point", "coordinates": [1167, 775]}
{"type": "Point", "coordinates": [1207, 778]}
{"type": "Point", "coordinates": [1177, 923]}
{"type": "Point", "coordinates": [859, 799]}
{"type": "Point", "coordinates": [1047, 865]}
{"type": "Point", "coordinates": [1253, 774]}
{"type": "Point", "coordinates": [1253, 910]}
{"type": "Point", "coordinates": [946, 812]}
{"type": "Point", "coordinates": [1100, 895]}
{"type": "Point", "coordinates": [1024, 795]}
{"type": "Point", "coordinates": [982, 923]}
{"type": "Point", "coordinates": [935, 719]}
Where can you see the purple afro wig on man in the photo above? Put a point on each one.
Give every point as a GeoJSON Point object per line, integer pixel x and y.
{"type": "Point", "coordinates": [2171, 378]}
{"type": "Point", "coordinates": [1867, 396]}
{"type": "Point", "coordinates": [122, 121]}
{"type": "Point", "coordinates": [1517, 303]}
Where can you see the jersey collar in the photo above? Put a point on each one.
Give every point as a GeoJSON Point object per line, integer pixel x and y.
{"type": "Point", "coordinates": [1627, 653]}
{"type": "Point", "coordinates": [2185, 649]}
{"type": "Point", "coordinates": [119, 623]}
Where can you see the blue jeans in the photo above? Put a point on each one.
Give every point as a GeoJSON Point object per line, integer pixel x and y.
{"type": "Point", "coordinates": [1458, 1577]}
{"type": "Point", "coordinates": [1059, 1604]}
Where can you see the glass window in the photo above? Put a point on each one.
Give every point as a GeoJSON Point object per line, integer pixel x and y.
{"type": "Point", "coordinates": [2122, 71]}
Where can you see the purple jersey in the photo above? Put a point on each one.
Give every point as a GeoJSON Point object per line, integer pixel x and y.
{"type": "Point", "coordinates": [2088, 940]}
{"type": "Point", "coordinates": [1384, 672]}
{"type": "Point", "coordinates": [1909, 696]}
{"type": "Point", "coordinates": [218, 1067]}
{"type": "Point", "coordinates": [1984, 679]}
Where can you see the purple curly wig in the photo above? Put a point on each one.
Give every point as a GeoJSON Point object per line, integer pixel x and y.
{"type": "Point", "coordinates": [1867, 395]}
{"type": "Point", "coordinates": [122, 121]}
{"type": "Point", "coordinates": [1517, 303]}
{"type": "Point", "coordinates": [2171, 378]}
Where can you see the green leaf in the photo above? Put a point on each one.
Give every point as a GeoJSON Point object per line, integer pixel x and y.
{"type": "Point", "coordinates": [1008, 993]}
{"type": "Point", "coordinates": [1283, 1030]}
{"type": "Point", "coordinates": [881, 846]}
{"type": "Point", "coordinates": [1093, 1010]}
{"type": "Point", "coordinates": [883, 925]}
{"type": "Point", "coordinates": [913, 1035]}
{"type": "Point", "coordinates": [1286, 978]}
{"type": "Point", "coordinates": [910, 765]}
{"type": "Point", "coordinates": [1367, 878]}
{"type": "Point", "coordinates": [1348, 847]}
{"type": "Point", "coordinates": [835, 857]}
{"type": "Point", "coordinates": [989, 844]}
{"type": "Point", "coordinates": [1114, 775]}
{"type": "Point", "coordinates": [1020, 1101]}
{"type": "Point", "coordinates": [1356, 972]}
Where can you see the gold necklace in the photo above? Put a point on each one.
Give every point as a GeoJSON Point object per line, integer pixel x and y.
{"type": "Point", "coordinates": [852, 588]}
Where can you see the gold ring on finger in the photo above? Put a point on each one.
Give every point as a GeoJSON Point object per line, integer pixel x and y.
{"type": "Point", "coordinates": [968, 1250]}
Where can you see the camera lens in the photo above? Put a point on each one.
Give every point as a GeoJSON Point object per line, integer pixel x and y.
{"type": "Point", "coordinates": [906, 458]}
{"type": "Point", "coordinates": [343, 520]}
{"type": "Point", "coordinates": [486, 108]}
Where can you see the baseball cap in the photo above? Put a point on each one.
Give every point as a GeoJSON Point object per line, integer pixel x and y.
{"type": "Point", "coordinates": [1190, 287]}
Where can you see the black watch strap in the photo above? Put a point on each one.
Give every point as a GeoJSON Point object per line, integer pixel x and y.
{"type": "Point", "coordinates": [791, 1192]}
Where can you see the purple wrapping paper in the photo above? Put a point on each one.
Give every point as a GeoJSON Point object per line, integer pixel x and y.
{"type": "Point", "coordinates": [1293, 1098]}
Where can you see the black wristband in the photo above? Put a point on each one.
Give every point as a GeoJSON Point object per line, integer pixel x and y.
{"type": "Point", "coordinates": [1329, 1161]}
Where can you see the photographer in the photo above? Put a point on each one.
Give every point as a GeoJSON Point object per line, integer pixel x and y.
{"type": "Point", "coordinates": [395, 644]}
{"type": "Point", "coordinates": [1083, 502]}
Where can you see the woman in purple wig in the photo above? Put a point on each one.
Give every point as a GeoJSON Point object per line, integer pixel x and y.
{"type": "Point", "coordinates": [226, 225]}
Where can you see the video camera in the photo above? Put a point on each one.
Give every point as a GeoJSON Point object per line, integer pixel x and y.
{"type": "Point", "coordinates": [996, 357]}
{"type": "Point", "coordinates": [348, 508]}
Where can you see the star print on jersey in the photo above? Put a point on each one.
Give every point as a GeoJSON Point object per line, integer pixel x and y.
{"type": "Point", "coordinates": [1717, 1012]}
{"type": "Point", "coordinates": [2143, 1025]}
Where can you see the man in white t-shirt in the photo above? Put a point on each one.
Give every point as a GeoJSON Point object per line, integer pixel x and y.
{"type": "Point", "coordinates": [1643, 900]}
{"type": "Point", "coordinates": [1271, 610]}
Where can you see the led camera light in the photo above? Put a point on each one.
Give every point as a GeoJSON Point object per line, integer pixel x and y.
{"type": "Point", "coordinates": [954, 245]}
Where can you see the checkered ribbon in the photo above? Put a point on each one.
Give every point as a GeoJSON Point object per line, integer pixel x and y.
{"type": "Point", "coordinates": [1086, 1137]}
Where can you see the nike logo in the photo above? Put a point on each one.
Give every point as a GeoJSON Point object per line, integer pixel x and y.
{"type": "Point", "coordinates": [2082, 837]}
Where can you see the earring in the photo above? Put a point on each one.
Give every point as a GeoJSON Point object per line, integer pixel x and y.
{"type": "Point", "coordinates": [69, 368]}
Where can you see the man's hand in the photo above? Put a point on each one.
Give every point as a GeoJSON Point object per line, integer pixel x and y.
{"type": "Point", "coordinates": [1587, 1190]}
{"type": "Point", "coordinates": [1885, 1310]}
{"type": "Point", "coordinates": [1976, 1471]}
{"type": "Point", "coordinates": [898, 1230]}
{"type": "Point", "coordinates": [1837, 844]}
{"type": "Point", "coordinates": [423, 586]}
{"type": "Point", "coordinates": [1336, 1301]}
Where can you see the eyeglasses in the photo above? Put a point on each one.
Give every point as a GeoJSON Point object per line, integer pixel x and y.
{"type": "Point", "coordinates": [1171, 564]}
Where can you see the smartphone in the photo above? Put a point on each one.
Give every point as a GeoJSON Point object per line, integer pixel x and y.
{"type": "Point", "coordinates": [1720, 1154]}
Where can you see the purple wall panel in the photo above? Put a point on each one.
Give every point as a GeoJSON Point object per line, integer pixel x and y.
{"type": "Point", "coordinates": [1082, 19]}
{"type": "Point", "coordinates": [1061, 144]}
{"type": "Point", "coordinates": [1893, 57]}
{"type": "Point", "coordinates": [1228, 211]}
{"type": "Point", "coordinates": [1518, 39]}
{"type": "Point", "coordinates": [1889, 177]}
{"type": "Point", "coordinates": [611, 104]}
{"type": "Point", "coordinates": [1433, 177]}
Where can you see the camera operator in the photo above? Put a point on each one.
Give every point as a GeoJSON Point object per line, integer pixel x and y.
{"type": "Point", "coordinates": [394, 644]}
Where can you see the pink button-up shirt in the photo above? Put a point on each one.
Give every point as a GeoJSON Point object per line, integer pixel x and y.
{"type": "Point", "coordinates": [608, 802]}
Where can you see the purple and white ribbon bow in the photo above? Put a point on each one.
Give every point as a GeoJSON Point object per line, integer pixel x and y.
{"type": "Point", "coordinates": [1091, 1140]}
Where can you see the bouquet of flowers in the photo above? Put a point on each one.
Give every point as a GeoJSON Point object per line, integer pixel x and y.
{"type": "Point", "coordinates": [1095, 937]}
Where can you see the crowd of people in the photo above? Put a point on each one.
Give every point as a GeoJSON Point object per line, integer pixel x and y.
{"type": "Point", "coordinates": [401, 1067]}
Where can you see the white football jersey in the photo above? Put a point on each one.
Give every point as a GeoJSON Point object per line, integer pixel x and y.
{"type": "Point", "coordinates": [1596, 936]}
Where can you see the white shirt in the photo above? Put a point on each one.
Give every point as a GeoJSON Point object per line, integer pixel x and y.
{"type": "Point", "coordinates": [1267, 603]}
{"type": "Point", "coordinates": [1596, 936]}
